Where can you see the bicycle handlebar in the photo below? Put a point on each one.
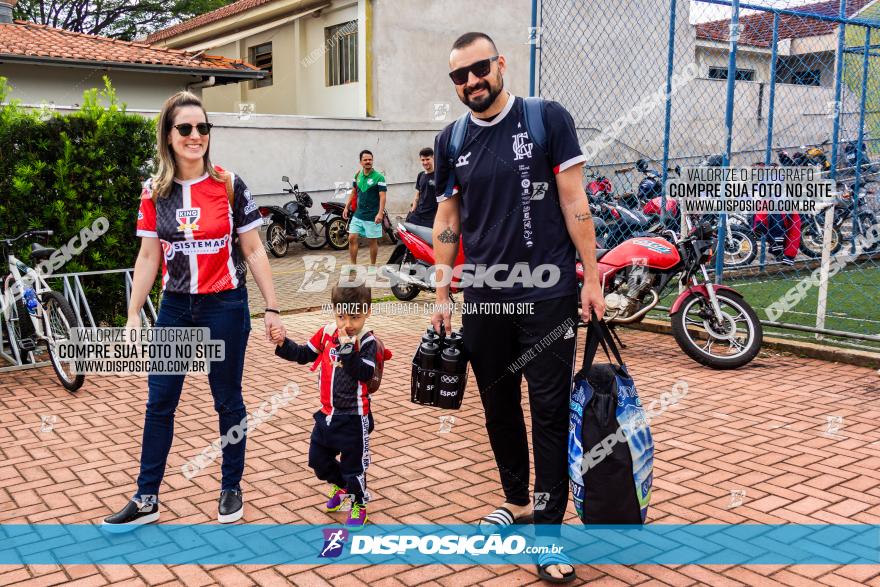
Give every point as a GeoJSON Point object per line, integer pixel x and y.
{"type": "Point", "coordinates": [26, 234]}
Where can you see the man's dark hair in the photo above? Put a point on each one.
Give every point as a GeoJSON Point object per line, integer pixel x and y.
{"type": "Point", "coordinates": [365, 152]}
{"type": "Point", "coordinates": [468, 39]}
{"type": "Point", "coordinates": [351, 297]}
{"type": "Point", "coordinates": [426, 152]}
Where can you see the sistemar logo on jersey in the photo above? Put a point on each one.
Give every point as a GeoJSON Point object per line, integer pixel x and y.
{"type": "Point", "coordinates": [522, 146]}
{"type": "Point", "coordinates": [187, 218]}
{"type": "Point", "coordinates": [205, 246]}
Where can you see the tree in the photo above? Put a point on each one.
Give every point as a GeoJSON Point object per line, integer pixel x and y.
{"type": "Point", "coordinates": [120, 19]}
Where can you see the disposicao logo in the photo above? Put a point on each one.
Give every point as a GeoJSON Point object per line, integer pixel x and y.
{"type": "Point", "coordinates": [334, 540]}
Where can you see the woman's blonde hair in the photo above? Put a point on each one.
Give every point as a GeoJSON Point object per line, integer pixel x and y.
{"type": "Point", "coordinates": [166, 164]}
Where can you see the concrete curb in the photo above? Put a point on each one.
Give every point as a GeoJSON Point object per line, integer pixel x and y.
{"type": "Point", "coordinates": [801, 349]}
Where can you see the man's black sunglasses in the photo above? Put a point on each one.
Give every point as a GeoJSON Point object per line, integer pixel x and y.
{"type": "Point", "coordinates": [186, 128]}
{"type": "Point", "coordinates": [480, 68]}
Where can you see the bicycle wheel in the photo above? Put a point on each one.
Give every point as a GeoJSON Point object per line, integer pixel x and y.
{"type": "Point", "coordinates": [61, 317]}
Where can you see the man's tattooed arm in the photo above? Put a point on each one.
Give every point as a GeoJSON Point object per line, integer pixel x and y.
{"type": "Point", "coordinates": [448, 236]}
{"type": "Point", "coordinates": [583, 216]}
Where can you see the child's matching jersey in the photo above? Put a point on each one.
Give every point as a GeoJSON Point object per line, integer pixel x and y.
{"type": "Point", "coordinates": [194, 224]}
{"type": "Point", "coordinates": [341, 393]}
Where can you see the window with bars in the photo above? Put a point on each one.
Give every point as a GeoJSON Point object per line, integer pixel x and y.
{"type": "Point", "coordinates": [744, 75]}
{"type": "Point", "coordinates": [261, 56]}
{"type": "Point", "coordinates": [341, 41]}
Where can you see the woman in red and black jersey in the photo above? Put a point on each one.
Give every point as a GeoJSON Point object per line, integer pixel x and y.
{"type": "Point", "coordinates": [201, 224]}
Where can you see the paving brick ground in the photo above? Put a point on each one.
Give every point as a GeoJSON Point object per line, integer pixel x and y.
{"type": "Point", "coordinates": [289, 274]}
{"type": "Point", "coordinates": [761, 429]}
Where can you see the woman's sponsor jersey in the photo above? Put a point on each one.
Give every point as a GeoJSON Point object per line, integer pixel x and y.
{"type": "Point", "coordinates": [194, 225]}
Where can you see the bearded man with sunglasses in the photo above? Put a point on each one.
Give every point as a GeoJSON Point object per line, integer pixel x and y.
{"type": "Point", "coordinates": [517, 207]}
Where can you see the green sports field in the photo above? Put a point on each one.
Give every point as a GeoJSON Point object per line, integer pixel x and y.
{"type": "Point", "coordinates": [853, 303]}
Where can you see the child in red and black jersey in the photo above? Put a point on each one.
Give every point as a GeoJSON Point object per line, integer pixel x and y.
{"type": "Point", "coordinates": [345, 353]}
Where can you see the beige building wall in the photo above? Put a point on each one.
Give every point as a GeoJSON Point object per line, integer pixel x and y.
{"type": "Point", "coordinates": [298, 70]}
{"type": "Point", "coordinates": [64, 86]}
{"type": "Point", "coordinates": [408, 47]}
{"type": "Point", "coordinates": [411, 44]}
{"type": "Point", "coordinates": [314, 96]}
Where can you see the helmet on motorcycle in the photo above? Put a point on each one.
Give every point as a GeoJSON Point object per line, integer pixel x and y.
{"type": "Point", "coordinates": [649, 188]}
{"type": "Point", "coordinates": [713, 161]}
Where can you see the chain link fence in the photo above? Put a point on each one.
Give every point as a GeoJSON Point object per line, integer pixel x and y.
{"type": "Point", "coordinates": [718, 82]}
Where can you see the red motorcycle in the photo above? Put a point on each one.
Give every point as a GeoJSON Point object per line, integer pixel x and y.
{"type": "Point", "coordinates": [711, 323]}
{"type": "Point", "coordinates": [411, 264]}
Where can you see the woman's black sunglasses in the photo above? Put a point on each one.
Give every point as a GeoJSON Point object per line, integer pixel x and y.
{"type": "Point", "coordinates": [186, 128]}
{"type": "Point", "coordinates": [480, 68]}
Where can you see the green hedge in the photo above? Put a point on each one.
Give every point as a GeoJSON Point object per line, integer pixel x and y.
{"type": "Point", "coordinates": [62, 172]}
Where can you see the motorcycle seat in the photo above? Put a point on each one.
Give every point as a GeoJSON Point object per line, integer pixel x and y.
{"type": "Point", "coordinates": [425, 233]}
{"type": "Point", "coordinates": [601, 253]}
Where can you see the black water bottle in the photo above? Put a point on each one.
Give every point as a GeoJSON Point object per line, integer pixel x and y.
{"type": "Point", "coordinates": [450, 378]}
{"type": "Point", "coordinates": [454, 340]}
{"type": "Point", "coordinates": [431, 337]}
{"type": "Point", "coordinates": [427, 376]}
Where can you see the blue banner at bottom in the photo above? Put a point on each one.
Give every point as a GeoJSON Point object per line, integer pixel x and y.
{"type": "Point", "coordinates": [702, 544]}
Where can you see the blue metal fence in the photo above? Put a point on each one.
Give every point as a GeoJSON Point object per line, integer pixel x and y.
{"type": "Point", "coordinates": [674, 82]}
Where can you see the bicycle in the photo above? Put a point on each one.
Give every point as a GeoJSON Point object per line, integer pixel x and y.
{"type": "Point", "coordinates": [33, 314]}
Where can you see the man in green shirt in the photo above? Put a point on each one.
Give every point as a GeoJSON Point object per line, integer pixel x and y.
{"type": "Point", "coordinates": [369, 188]}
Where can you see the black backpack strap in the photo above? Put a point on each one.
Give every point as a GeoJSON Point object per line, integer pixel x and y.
{"type": "Point", "coordinates": [454, 147]}
{"type": "Point", "coordinates": [533, 110]}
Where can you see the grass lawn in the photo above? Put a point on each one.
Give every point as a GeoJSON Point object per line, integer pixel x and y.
{"type": "Point", "coordinates": [853, 303]}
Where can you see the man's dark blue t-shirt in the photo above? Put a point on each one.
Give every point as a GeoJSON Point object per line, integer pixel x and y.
{"type": "Point", "coordinates": [509, 202]}
{"type": "Point", "coordinates": [426, 207]}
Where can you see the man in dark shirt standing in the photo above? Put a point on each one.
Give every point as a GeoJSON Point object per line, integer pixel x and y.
{"type": "Point", "coordinates": [424, 205]}
{"type": "Point", "coordinates": [514, 205]}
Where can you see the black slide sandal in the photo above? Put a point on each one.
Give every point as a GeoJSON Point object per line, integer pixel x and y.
{"type": "Point", "coordinates": [548, 560]}
{"type": "Point", "coordinates": [503, 517]}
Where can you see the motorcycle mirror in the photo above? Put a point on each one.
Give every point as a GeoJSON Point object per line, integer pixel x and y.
{"type": "Point", "coordinates": [285, 179]}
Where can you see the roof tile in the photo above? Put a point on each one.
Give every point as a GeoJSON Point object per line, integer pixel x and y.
{"type": "Point", "coordinates": [757, 28]}
{"type": "Point", "coordinates": [29, 39]}
{"type": "Point", "coordinates": [206, 18]}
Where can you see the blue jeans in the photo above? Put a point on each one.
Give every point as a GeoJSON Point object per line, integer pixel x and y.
{"type": "Point", "coordinates": [228, 317]}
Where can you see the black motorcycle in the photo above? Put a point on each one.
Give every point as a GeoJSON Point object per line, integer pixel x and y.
{"type": "Point", "coordinates": [292, 223]}
{"type": "Point", "coordinates": [855, 157]}
{"type": "Point", "coordinates": [808, 157]}
{"type": "Point", "coordinates": [845, 208]}
{"type": "Point", "coordinates": [337, 227]}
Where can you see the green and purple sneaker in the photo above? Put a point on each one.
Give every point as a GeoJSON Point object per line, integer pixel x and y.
{"type": "Point", "coordinates": [337, 497]}
{"type": "Point", "coordinates": [357, 518]}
